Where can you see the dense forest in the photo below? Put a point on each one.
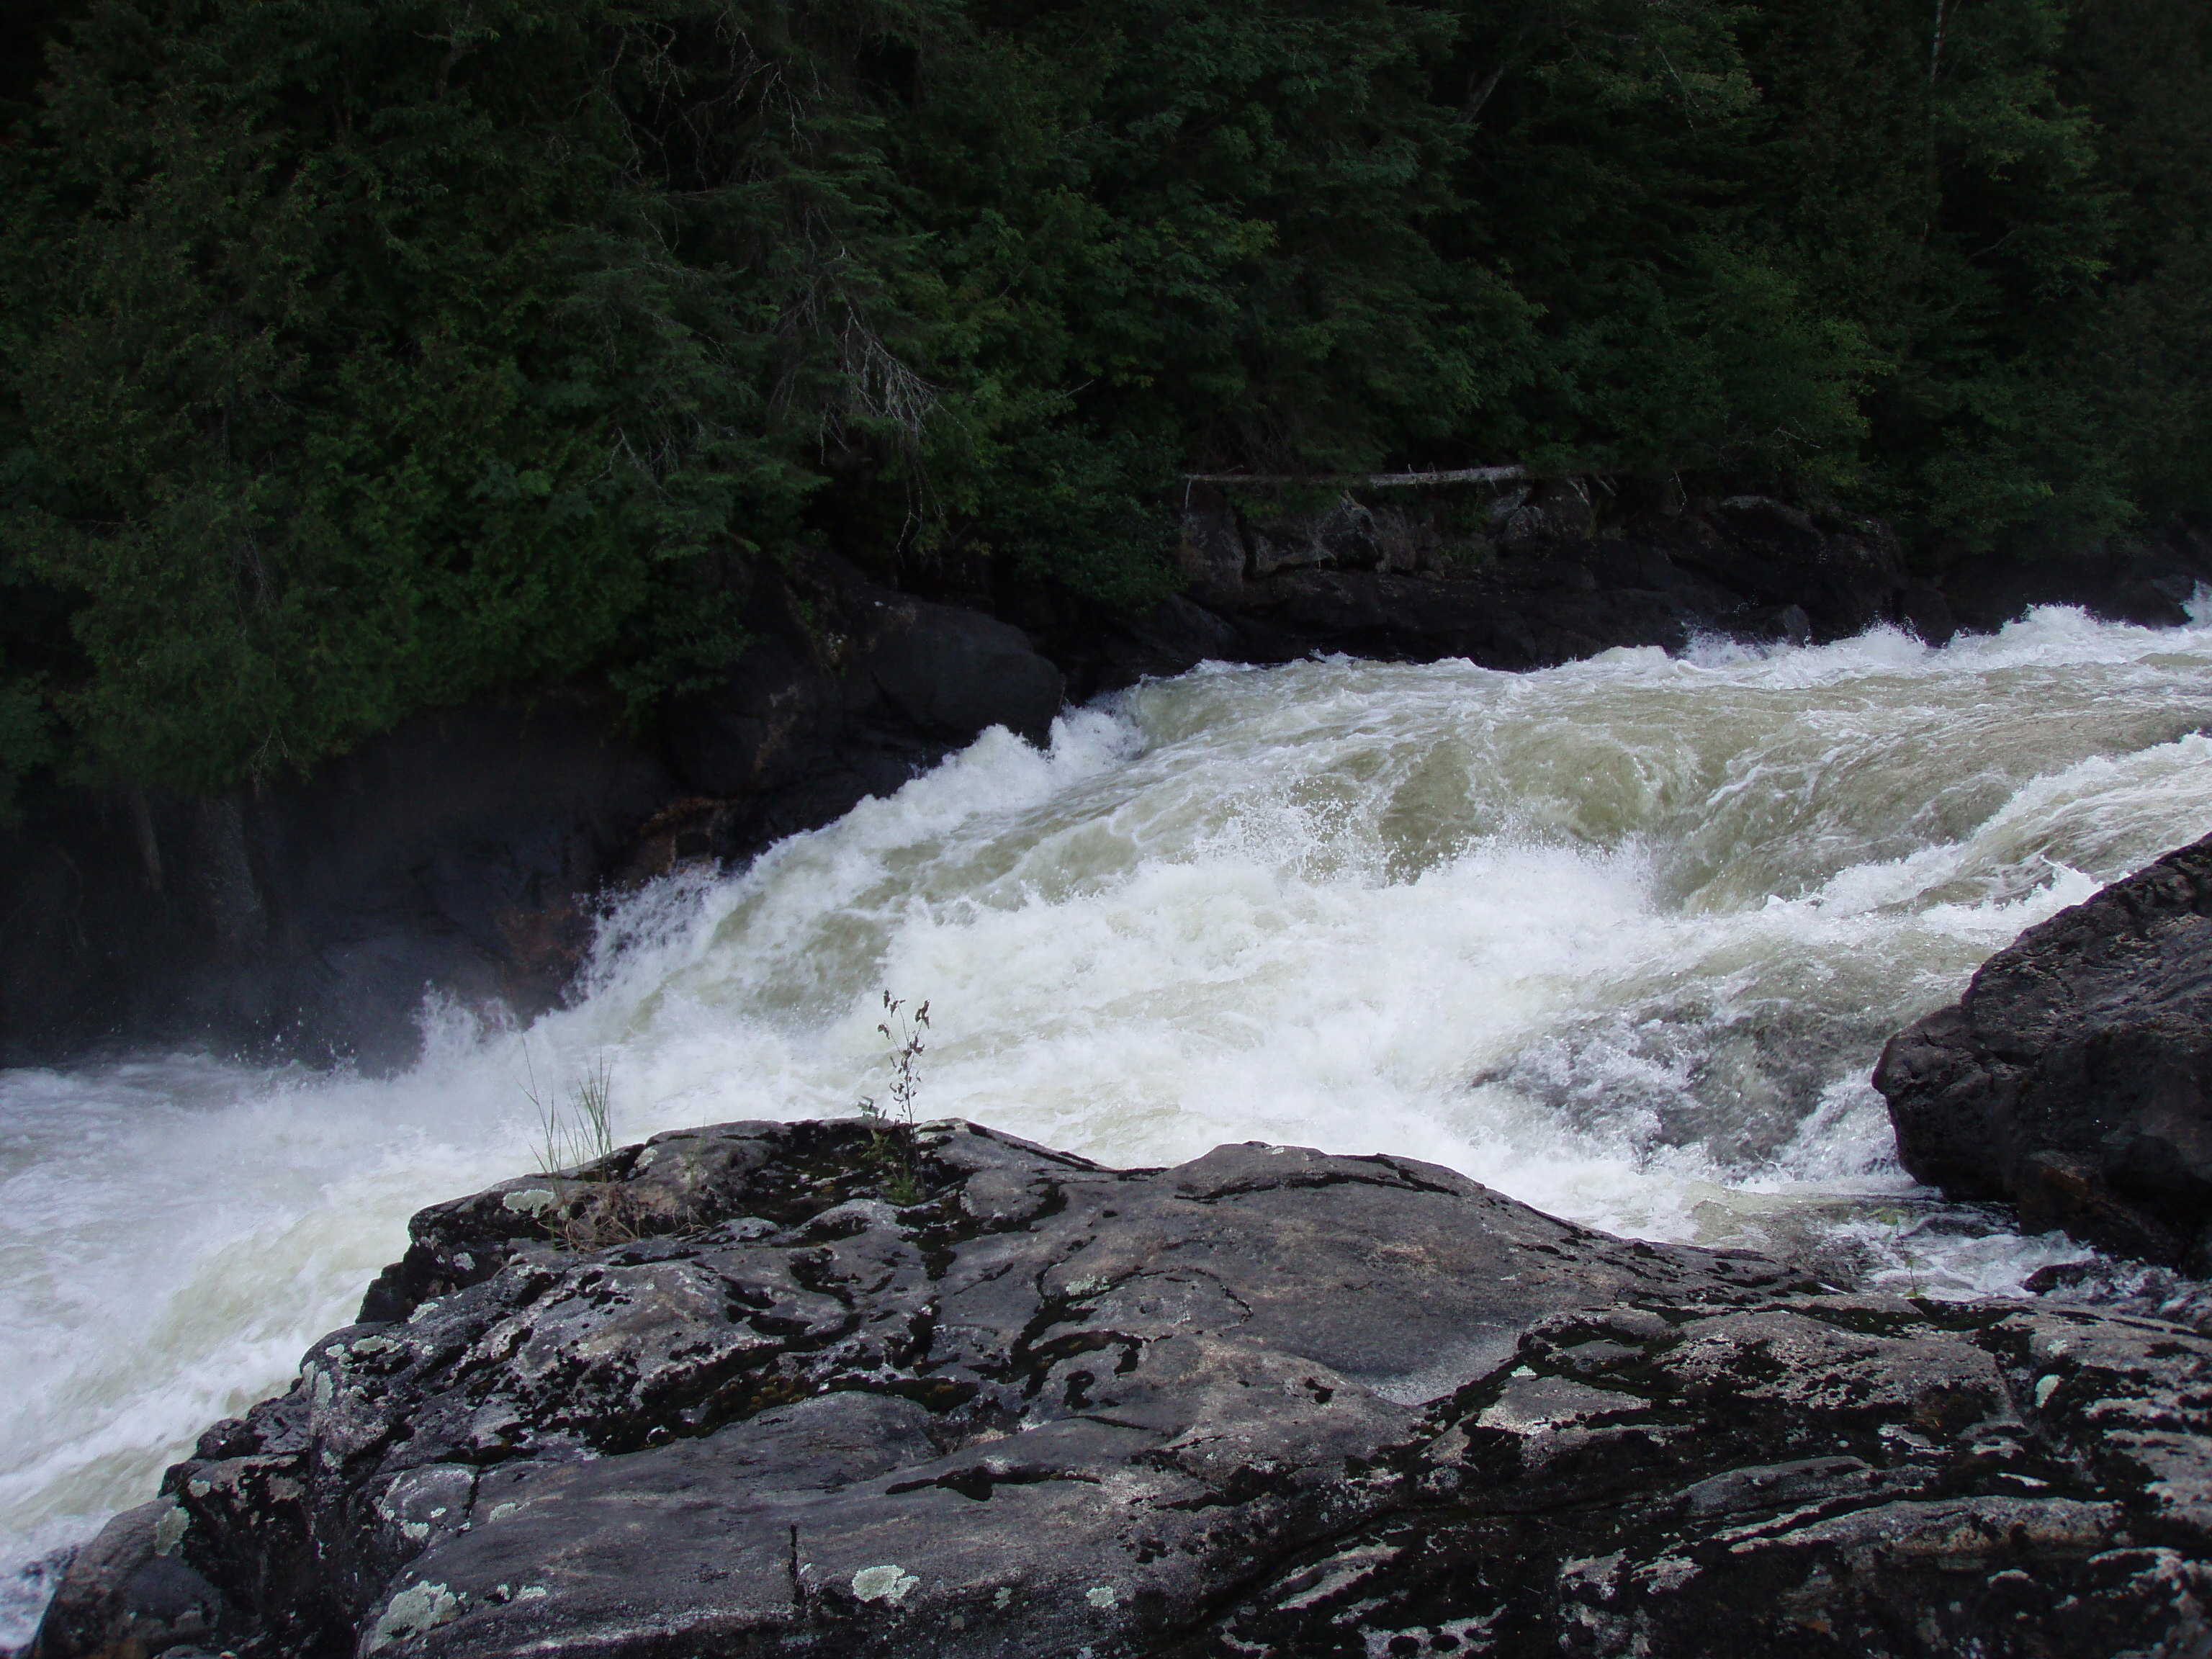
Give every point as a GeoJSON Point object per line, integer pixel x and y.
{"type": "Point", "coordinates": [359, 356]}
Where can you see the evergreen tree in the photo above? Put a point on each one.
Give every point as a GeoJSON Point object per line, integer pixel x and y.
{"type": "Point", "coordinates": [361, 356]}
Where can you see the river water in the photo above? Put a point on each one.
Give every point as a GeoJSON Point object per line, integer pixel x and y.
{"type": "Point", "coordinates": [1621, 939]}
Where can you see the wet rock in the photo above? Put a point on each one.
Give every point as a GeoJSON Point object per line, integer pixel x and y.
{"type": "Point", "coordinates": [2074, 1077]}
{"type": "Point", "coordinates": [129, 1593]}
{"type": "Point", "coordinates": [862, 689]}
{"type": "Point", "coordinates": [1527, 578]}
{"type": "Point", "coordinates": [1211, 556]}
{"type": "Point", "coordinates": [718, 1394]}
{"type": "Point", "coordinates": [1558, 509]}
{"type": "Point", "coordinates": [1843, 576]}
{"type": "Point", "coordinates": [952, 674]}
{"type": "Point", "coordinates": [1342, 535]}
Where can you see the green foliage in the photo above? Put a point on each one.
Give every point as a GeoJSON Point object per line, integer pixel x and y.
{"type": "Point", "coordinates": [26, 740]}
{"type": "Point", "coordinates": [366, 372]}
{"type": "Point", "coordinates": [1930, 184]}
{"type": "Point", "coordinates": [360, 357]}
{"type": "Point", "coordinates": [2142, 361]}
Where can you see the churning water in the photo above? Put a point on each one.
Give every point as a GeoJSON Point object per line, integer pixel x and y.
{"type": "Point", "coordinates": [1622, 938]}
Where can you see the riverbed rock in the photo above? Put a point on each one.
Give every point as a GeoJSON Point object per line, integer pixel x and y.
{"type": "Point", "coordinates": [2152, 579]}
{"type": "Point", "coordinates": [127, 1592]}
{"type": "Point", "coordinates": [824, 1388]}
{"type": "Point", "coordinates": [461, 860]}
{"type": "Point", "coordinates": [2074, 1078]}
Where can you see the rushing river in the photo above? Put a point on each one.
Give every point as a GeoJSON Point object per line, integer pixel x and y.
{"type": "Point", "coordinates": [1622, 938]}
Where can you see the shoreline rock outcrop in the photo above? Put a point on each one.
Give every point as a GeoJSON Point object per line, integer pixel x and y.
{"type": "Point", "coordinates": [721, 1395]}
{"type": "Point", "coordinates": [467, 853]}
{"type": "Point", "coordinates": [2074, 1078]}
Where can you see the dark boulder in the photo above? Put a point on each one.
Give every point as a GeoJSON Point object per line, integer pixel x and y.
{"type": "Point", "coordinates": [1844, 576]}
{"type": "Point", "coordinates": [952, 674]}
{"type": "Point", "coordinates": [1815, 1476]}
{"type": "Point", "coordinates": [769, 1388]}
{"type": "Point", "coordinates": [859, 689]}
{"type": "Point", "coordinates": [862, 672]}
{"type": "Point", "coordinates": [128, 1592]}
{"type": "Point", "coordinates": [1532, 575]}
{"type": "Point", "coordinates": [2074, 1077]}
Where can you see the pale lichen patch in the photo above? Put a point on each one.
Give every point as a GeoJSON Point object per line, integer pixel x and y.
{"type": "Point", "coordinates": [888, 1584]}
{"type": "Point", "coordinates": [418, 1608]}
{"type": "Point", "coordinates": [169, 1530]}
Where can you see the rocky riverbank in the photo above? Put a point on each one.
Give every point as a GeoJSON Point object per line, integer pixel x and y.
{"type": "Point", "coordinates": [770, 1388]}
{"type": "Point", "coordinates": [467, 853]}
{"type": "Point", "coordinates": [858, 1389]}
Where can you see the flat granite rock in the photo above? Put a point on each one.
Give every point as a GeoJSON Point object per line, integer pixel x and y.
{"type": "Point", "coordinates": [721, 1395]}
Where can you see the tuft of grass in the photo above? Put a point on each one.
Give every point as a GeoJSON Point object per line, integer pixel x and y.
{"type": "Point", "coordinates": [575, 1128]}
{"type": "Point", "coordinates": [575, 1124]}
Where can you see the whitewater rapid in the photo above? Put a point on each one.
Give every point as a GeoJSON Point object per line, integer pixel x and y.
{"type": "Point", "coordinates": [1622, 938]}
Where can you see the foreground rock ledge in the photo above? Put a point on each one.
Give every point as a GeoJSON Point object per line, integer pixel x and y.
{"type": "Point", "coordinates": [718, 1395]}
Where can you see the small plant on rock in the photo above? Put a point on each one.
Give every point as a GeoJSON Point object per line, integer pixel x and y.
{"type": "Point", "coordinates": [575, 1125]}
{"type": "Point", "coordinates": [890, 1128]}
{"type": "Point", "coordinates": [575, 1129]}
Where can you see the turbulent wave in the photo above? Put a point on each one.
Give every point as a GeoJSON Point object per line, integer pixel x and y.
{"type": "Point", "coordinates": [1622, 938]}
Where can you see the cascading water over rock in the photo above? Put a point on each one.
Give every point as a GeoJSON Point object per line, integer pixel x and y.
{"type": "Point", "coordinates": [1621, 939]}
